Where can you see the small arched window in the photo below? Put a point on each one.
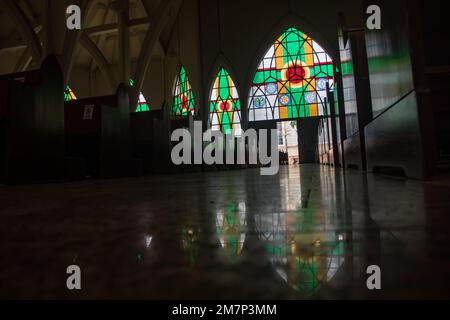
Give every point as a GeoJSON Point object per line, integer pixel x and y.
{"type": "Point", "coordinates": [183, 97]}
{"type": "Point", "coordinates": [142, 102]}
{"type": "Point", "coordinates": [224, 105]}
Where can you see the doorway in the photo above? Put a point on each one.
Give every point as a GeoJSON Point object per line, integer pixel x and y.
{"type": "Point", "coordinates": [288, 146]}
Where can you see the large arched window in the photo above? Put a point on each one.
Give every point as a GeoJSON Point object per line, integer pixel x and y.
{"type": "Point", "coordinates": [224, 105]}
{"type": "Point", "coordinates": [183, 101]}
{"type": "Point", "coordinates": [68, 94]}
{"type": "Point", "coordinates": [142, 102]}
{"type": "Point", "coordinates": [291, 79]}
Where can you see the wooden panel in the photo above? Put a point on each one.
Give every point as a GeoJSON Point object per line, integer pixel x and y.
{"type": "Point", "coordinates": [104, 140]}
{"type": "Point", "coordinates": [19, 133]}
{"type": "Point", "coordinates": [115, 148]}
{"type": "Point", "coordinates": [142, 138]}
{"type": "Point", "coordinates": [83, 135]}
{"type": "Point", "coordinates": [49, 122]}
{"type": "Point", "coordinates": [32, 117]}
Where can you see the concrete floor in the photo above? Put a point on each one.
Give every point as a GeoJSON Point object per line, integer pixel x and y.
{"type": "Point", "coordinates": [306, 233]}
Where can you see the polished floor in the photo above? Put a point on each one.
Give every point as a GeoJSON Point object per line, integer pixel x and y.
{"type": "Point", "coordinates": [306, 233]}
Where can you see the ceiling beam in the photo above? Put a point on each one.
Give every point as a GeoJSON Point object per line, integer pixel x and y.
{"type": "Point", "coordinates": [108, 16]}
{"type": "Point", "coordinates": [25, 28]}
{"type": "Point", "coordinates": [150, 7]}
{"type": "Point", "coordinates": [71, 40]}
{"type": "Point", "coordinates": [165, 10]}
{"type": "Point", "coordinates": [110, 28]}
{"type": "Point", "coordinates": [100, 59]}
{"type": "Point", "coordinates": [23, 62]}
{"type": "Point", "coordinates": [11, 45]}
{"type": "Point", "coordinates": [28, 10]}
{"type": "Point", "coordinates": [114, 27]}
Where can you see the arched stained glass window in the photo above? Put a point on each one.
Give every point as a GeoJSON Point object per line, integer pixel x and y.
{"type": "Point", "coordinates": [291, 79]}
{"type": "Point", "coordinates": [142, 103]}
{"type": "Point", "coordinates": [224, 105]}
{"type": "Point", "coordinates": [183, 101]}
{"type": "Point", "coordinates": [68, 94]}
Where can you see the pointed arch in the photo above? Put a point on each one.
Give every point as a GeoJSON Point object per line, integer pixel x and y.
{"type": "Point", "coordinates": [183, 96]}
{"type": "Point", "coordinates": [225, 105]}
{"type": "Point", "coordinates": [291, 78]}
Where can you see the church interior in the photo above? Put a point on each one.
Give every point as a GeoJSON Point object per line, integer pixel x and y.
{"type": "Point", "coordinates": [360, 114]}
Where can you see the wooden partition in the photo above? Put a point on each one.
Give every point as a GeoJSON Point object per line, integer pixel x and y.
{"type": "Point", "coordinates": [32, 125]}
{"type": "Point", "coordinates": [98, 131]}
{"type": "Point", "coordinates": [143, 138]}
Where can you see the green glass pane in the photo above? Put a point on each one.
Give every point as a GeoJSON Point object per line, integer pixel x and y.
{"type": "Point", "coordinates": [224, 104]}
{"type": "Point", "coordinates": [183, 101]}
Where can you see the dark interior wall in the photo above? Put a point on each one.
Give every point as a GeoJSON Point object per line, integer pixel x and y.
{"type": "Point", "coordinates": [88, 83]}
{"type": "Point", "coordinates": [435, 25]}
{"type": "Point", "coordinates": [80, 82]}
{"type": "Point", "coordinates": [437, 74]}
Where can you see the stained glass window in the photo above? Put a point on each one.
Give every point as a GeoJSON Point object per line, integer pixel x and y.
{"type": "Point", "coordinates": [142, 103]}
{"type": "Point", "coordinates": [183, 101]}
{"type": "Point", "coordinates": [291, 79]}
{"type": "Point", "coordinates": [224, 105]}
{"type": "Point", "coordinates": [68, 94]}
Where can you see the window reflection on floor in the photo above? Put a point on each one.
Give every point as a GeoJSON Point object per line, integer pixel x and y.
{"type": "Point", "coordinates": [304, 258]}
{"type": "Point", "coordinates": [189, 236]}
{"type": "Point", "coordinates": [231, 227]}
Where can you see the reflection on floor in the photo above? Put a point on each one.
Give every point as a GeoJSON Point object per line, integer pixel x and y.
{"type": "Point", "coordinates": [306, 233]}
